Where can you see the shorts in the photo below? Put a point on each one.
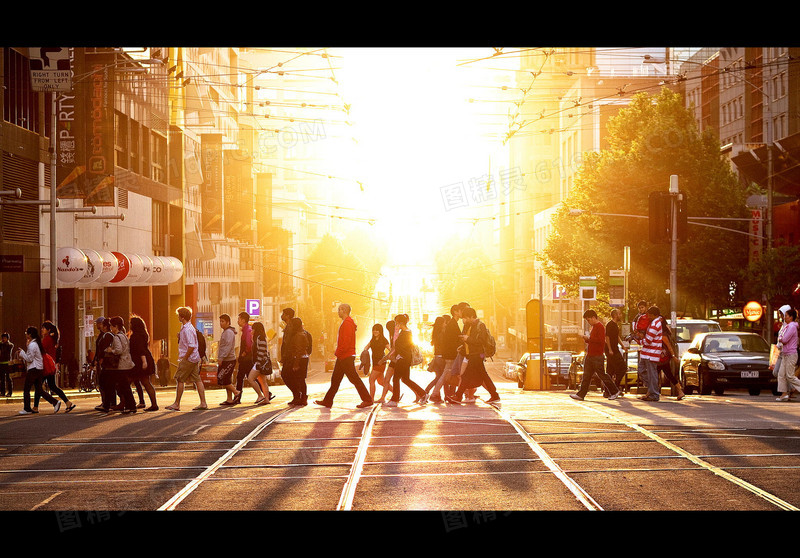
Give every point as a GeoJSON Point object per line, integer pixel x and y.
{"type": "Point", "coordinates": [225, 372]}
{"type": "Point", "coordinates": [187, 372]}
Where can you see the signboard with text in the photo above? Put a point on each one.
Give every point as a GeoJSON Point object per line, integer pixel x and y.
{"type": "Point", "coordinates": [50, 69]}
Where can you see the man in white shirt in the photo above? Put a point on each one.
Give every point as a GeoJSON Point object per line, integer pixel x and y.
{"type": "Point", "coordinates": [188, 361]}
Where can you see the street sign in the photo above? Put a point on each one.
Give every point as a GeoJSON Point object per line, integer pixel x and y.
{"type": "Point", "coordinates": [588, 287]}
{"type": "Point", "coordinates": [50, 69]}
{"type": "Point", "coordinates": [616, 288]}
{"type": "Point", "coordinates": [559, 293]}
{"type": "Point", "coordinates": [253, 307]}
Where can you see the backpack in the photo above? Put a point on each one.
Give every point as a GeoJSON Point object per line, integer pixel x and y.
{"type": "Point", "coordinates": [201, 344]}
{"type": "Point", "coordinates": [490, 347]}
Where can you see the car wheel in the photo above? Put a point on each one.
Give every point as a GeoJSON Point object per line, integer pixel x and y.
{"type": "Point", "coordinates": [754, 391]}
{"type": "Point", "coordinates": [719, 390]}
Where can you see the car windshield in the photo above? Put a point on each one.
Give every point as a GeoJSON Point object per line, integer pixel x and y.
{"type": "Point", "coordinates": [684, 333]}
{"type": "Point", "coordinates": [732, 343]}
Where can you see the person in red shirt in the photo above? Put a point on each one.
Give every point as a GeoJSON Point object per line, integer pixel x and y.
{"type": "Point", "coordinates": [593, 361]}
{"type": "Point", "coordinates": [345, 362]}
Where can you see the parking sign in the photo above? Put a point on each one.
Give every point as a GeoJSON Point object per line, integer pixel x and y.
{"type": "Point", "coordinates": [253, 307]}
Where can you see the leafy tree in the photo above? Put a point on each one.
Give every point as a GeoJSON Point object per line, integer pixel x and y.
{"type": "Point", "coordinates": [652, 138]}
{"type": "Point", "coordinates": [775, 274]}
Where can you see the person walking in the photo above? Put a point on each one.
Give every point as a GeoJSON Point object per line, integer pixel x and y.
{"type": "Point", "coordinates": [593, 362]}
{"type": "Point", "coordinates": [451, 341]}
{"type": "Point", "coordinates": [387, 361]}
{"type": "Point", "coordinates": [345, 361]}
{"type": "Point", "coordinates": [437, 364]}
{"type": "Point", "coordinates": [144, 365]}
{"type": "Point", "coordinates": [474, 348]}
{"type": "Point", "coordinates": [616, 366]}
{"type": "Point", "coordinates": [403, 349]}
{"type": "Point", "coordinates": [188, 361]}
{"type": "Point", "coordinates": [105, 378]}
{"type": "Point", "coordinates": [650, 355]}
{"type": "Point", "coordinates": [262, 365]}
{"type": "Point", "coordinates": [378, 348]}
{"type": "Point", "coordinates": [226, 359]}
{"type": "Point", "coordinates": [34, 374]}
{"type": "Point", "coordinates": [120, 346]}
{"type": "Point", "coordinates": [668, 357]}
{"type": "Point", "coordinates": [6, 353]}
{"type": "Point", "coordinates": [788, 340]}
{"type": "Point", "coordinates": [245, 359]}
{"type": "Point", "coordinates": [297, 351]}
{"type": "Point", "coordinates": [49, 335]}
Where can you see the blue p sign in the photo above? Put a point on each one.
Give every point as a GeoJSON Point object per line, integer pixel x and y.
{"type": "Point", "coordinates": [253, 306]}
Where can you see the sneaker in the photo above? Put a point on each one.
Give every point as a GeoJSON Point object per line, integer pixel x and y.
{"type": "Point", "coordinates": [613, 397]}
{"type": "Point", "coordinates": [470, 400]}
{"type": "Point", "coordinates": [391, 403]}
{"type": "Point", "coordinates": [25, 412]}
{"type": "Point", "coordinates": [495, 399]}
{"type": "Point", "coordinates": [784, 397]}
{"type": "Point", "coordinates": [57, 407]}
{"type": "Point", "coordinates": [576, 396]}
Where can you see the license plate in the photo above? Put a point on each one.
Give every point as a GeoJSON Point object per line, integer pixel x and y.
{"type": "Point", "coordinates": [750, 374]}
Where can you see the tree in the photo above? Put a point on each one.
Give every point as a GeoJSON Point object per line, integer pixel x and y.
{"type": "Point", "coordinates": [775, 274]}
{"type": "Point", "coordinates": [654, 137]}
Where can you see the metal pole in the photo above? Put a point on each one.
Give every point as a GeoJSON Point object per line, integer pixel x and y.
{"type": "Point", "coordinates": [673, 266]}
{"type": "Point", "coordinates": [541, 333]}
{"type": "Point", "coordinates": [769, 141]}
{"type": "Point", "coordinates": [53, 205]}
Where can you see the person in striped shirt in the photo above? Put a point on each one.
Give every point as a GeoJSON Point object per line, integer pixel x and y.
{"type": "Point", "coordinates": [650, 355]}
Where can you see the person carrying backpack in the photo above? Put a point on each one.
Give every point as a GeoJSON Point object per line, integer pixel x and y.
{"type": "Point", "coordinates": [475, 347]}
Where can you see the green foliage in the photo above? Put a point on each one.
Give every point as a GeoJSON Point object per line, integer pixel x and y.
{"type": "Point", "coordinates": [648, 141]}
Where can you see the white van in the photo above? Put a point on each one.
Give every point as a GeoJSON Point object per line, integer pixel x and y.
{"type": "Point", "coordinates": [685, 331]}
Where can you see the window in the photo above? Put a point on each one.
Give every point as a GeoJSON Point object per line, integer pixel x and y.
{"type": "Point", "coordinates": [158, 157]}
{"type": "Point", "coordinates": [160, 216]}
{"type": "Point", "coordinates": [120, 140]}
{"type": "Point", "coordinates": [20, 102]}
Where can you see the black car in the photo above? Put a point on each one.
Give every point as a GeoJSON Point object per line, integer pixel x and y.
{"type": "Point", "coordinates": [716, 361]}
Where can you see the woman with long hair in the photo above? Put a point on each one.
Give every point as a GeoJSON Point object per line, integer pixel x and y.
{"type": "Point", "coordinates": [667, 357]}
{"type": "Point", "coordinates": [120, 346]}
{"type": "Point", "coordinates": [378, 346]}
{"type": "Point", "coordinates": [32, 356]}
{"type": "Point", "coordinates": [144, 365]}
{"type": "Point", "coordinates": [403, 349]}
{"type": "Point", "coordinates": [262, 364]}
{"type": "Point", "coordinates": [388, 360]}
{"type": "Point", "coordinates": [50, 338]}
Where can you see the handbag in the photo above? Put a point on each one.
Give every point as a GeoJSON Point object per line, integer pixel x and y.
{"type": "Point", "coordinates": [110, 360]}
{"type": "Point", "coordinates": [49, 365]}
{"type": "Point", "coordinates": [416, 356]}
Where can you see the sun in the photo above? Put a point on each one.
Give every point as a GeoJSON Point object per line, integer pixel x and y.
{"type": "Point", "coordinates": [410, 114]}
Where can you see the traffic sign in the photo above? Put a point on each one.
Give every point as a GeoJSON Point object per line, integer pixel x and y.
{"type": "Point", "coordinates": [616, 288]}
{"type": "Point", "coordinates": [559, 293]}
{"type": "Point", "coordinates": [588, 287]}
{"type": "Point", "coordinates": [253, 307]}
{"type": "Point", "coordinates": [50, 69]}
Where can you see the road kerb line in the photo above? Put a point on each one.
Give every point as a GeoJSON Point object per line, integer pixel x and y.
{"type": "Point", "coordinates": [173, 502]}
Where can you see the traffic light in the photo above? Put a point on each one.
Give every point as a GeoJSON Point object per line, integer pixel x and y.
{"type": "Point", "coordinates": [660, 217]}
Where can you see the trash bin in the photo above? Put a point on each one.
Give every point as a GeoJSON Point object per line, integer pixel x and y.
{"type": "Point", "coordinates": [533, 375]}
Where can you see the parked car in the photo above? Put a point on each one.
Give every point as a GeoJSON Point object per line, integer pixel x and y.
{"type": "Point", "coordinates": [558, 365]}
{"type": "Point", "coordinates": [686, 330]}
{"type": "Point", "coordinates": [716, 361]}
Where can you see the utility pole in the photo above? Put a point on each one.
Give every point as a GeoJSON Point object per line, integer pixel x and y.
{"type": "Point", "coordinates": [673, 264]}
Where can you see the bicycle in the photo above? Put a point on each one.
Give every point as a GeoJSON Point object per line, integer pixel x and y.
{"type": "Point", "coordinates": [87, 380]}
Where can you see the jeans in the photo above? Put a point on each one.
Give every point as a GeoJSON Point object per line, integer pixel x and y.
{"type": "Point", "coordinates": [345, 367]}
{"type": "Point", "coordinates": [34, 378]}
{"type": "Point", "coordinates": [594, 365]}
{"type": "Point", "coordinates": [648, 373]}
{"type": "Point", "coordinates": [402, 372]}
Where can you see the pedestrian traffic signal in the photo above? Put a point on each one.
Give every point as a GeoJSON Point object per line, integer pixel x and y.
{"type": "Point", "coordinates": [660, 217]}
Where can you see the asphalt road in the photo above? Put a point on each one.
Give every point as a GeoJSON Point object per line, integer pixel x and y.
{"type": "Point", "coordinates": [471, 464]}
